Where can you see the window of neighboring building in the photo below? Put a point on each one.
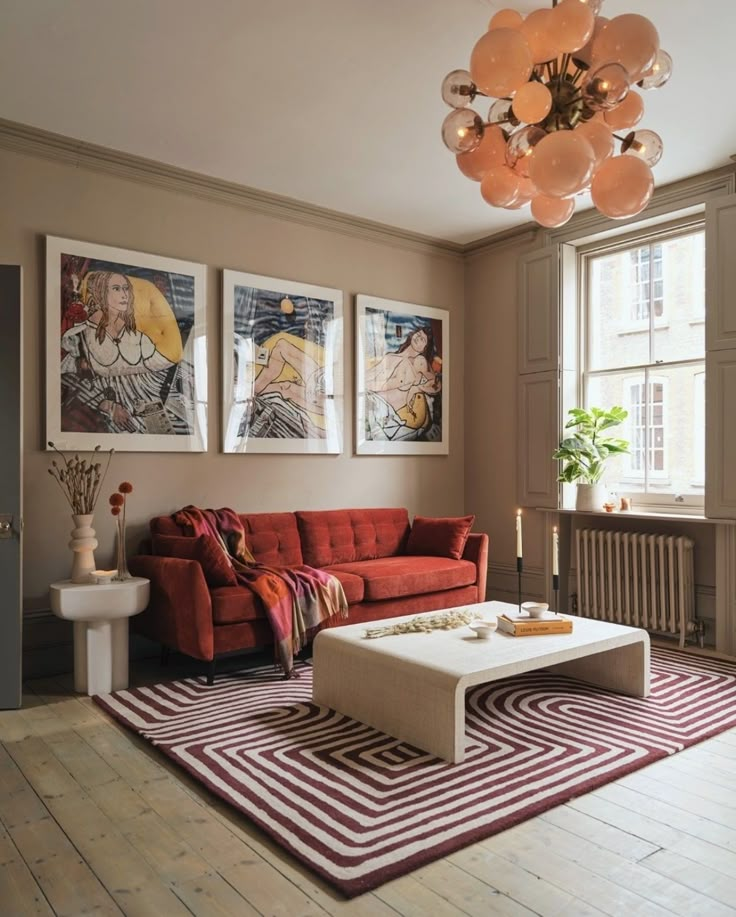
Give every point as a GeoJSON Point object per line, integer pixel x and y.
{"type": "Point", "coordinates": [641, 348]}
{"type": "Point", "coordinates": [646, 406]}
{"type": "Point", "coordinates": [648, 285]}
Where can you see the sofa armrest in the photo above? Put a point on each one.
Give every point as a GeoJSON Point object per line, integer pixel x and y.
{"type": "Point", "coordinates": [476, 549]}
{"type": "Point", "coordinates": [179, 612]}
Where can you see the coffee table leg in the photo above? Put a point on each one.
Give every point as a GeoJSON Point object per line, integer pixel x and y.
{"type": "Point", "coordinates": [415, 704]}
{"type": "Point", "coordinates": [624, 669]}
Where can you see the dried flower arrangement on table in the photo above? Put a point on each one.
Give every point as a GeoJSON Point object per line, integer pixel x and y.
{"type": "Point", "coordinates": [447, 620]}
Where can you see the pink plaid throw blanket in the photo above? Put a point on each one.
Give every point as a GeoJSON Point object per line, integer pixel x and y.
{"type": "Point", "coordinates": [298, 600]}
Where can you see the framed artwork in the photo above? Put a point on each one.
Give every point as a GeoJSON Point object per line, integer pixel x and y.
{"type": "Point", "coordinates": [282, 365]}
{"type": "Point", "coordinates": [402, 385]}
{"type": "Point", "coordinates": [126, 350]}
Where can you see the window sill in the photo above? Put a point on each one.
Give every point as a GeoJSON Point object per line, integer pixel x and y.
{"type": "Point", "coordinates": [639, 514]}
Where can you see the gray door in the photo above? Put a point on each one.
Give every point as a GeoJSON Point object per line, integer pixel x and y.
{"type": "Point", "coordinates": [11, 470]}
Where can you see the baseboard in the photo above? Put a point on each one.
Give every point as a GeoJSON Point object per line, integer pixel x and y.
{"type": "Point", "coordinates": [48, 645]}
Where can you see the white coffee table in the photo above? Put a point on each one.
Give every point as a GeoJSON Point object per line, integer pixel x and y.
{"type": "Point", "coordinates": [412, 686]}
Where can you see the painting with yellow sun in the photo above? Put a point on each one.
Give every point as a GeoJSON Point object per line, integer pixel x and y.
{"type": "Point", "coordinates": [126, 349]}
{"type": "Point", "coordinates": [282, 365]}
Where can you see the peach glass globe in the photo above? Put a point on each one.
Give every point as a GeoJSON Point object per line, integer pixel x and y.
{"type": "Point", "coordinates": [562, 163]}
{"type": "Point", "coordinates": [552, 211]}
{"type": "Point", "coordinates": [571, 25]}
{"type": "Point", "coordinates": [500, 186]}
{"type": "Point", "coordinates": [630, 40]}
{"type": "Point", "coordinates": [627, 113]}
{"type": "Point", "coordinates": [599, 136]}
{"type": "Point", "coordinates": [535, 30]}
{"type": "Point", "coordinates": [490, 152]}
{"type": "Point", "coordinates": [506, 19]}
{"type": "Point", "coordinates": [532, 102]}
{"type": "Point", "coordinates": [500, 62]}
{"type": "Point", "coordinates": [622, 187]}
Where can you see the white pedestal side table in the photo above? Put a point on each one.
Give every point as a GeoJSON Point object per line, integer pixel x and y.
{"type": "Point", "coordinates": [100, 614]}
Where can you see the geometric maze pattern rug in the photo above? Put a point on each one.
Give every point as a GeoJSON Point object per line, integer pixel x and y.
{"type": "Point", "coordinates": [360, 808]}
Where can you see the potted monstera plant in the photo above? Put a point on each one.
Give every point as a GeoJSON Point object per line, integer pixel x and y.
{"type": "Point", "coordinates": [586, 449]}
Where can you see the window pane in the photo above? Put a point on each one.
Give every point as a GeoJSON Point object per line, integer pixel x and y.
{"type": "Point", "coordinates": [623, 473]}
{"type": "Point", "coordinates": [681, 333]}
{"type": "Point", "coordinates": [664, 428]}
{"type": "Point", "coordinates": [618, 315]}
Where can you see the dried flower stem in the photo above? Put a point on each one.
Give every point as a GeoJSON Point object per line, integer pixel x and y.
{"type": "Point", "coordinates": [80, 481]}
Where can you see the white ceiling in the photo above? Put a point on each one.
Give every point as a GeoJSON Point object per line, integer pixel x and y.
{"type": "Point", "coordinates": [332, 102]}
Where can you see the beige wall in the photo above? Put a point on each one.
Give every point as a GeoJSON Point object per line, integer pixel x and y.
{"type": "Point", "coordinates": [42, 197]}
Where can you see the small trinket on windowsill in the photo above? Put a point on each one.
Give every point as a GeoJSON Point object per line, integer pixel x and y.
{"type": "Point", "coordinates": [609, 506]}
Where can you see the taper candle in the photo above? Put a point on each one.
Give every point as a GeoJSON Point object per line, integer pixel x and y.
{"type": "Point", "coordinates": [518, 533]}
{"type": "Point", "coordinates": [555, 552]}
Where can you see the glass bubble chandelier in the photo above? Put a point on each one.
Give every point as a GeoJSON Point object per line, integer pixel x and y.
{"type": "Point", "coordinates": [562, 81]}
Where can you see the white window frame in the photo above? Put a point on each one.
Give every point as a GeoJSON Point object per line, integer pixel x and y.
{"type": "Point", "coordinates": [645, 500]}
{"type": "Point", "coordinates": [699, 411]}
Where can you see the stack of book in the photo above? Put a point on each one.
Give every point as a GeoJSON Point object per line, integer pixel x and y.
{"type": "Point", "coordinates": [521, 625]}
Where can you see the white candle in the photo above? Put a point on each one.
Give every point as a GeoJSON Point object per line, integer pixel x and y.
{"type": "Point", "coordinates": [555, 552]}
{"type": "Point", "coordinates": [518, 533]}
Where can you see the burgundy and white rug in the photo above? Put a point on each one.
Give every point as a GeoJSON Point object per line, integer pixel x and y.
{"type": "Point", "coordinates": [361, 808]}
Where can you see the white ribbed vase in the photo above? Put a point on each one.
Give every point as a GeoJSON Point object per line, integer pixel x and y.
{"type": "Point", "coordinates": [83, 544]}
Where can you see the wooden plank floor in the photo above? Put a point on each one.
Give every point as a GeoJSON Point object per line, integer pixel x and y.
{"type": "Point", "coordinates": [95, 821]}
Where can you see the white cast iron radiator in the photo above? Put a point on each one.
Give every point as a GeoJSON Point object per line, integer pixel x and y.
{"type": "Point", "coordinates": [637, 579]}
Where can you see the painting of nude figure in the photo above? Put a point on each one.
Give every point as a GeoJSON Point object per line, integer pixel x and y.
{"type": "Point", "coordinates": [126, 350]}
{"type": "Point", "coordinates": [282, 365]}
{"type": "Point", "coordinates": [402, 378]}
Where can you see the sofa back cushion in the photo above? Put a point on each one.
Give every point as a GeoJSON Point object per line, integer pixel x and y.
{"type": "Point", "coordinates": [204, 549]}
{"type": "Point", "coordinates": [165, 525]}
{"type": "Point", "coordinates": [341, 536]}
{"type": "Point", "coordinates": [441, 537]}
{"type": "Point", "coordinates": [272, 538]}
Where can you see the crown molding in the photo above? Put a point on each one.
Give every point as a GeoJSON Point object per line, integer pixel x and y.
{"type": "Point", "coordinates": [23, 138]}
{"type": "Point", "coordinates": [519, 235]}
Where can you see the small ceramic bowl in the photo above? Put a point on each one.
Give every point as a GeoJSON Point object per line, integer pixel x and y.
{"type": "Point", "coordinates": [535, 609]}
{"type": "Point", "coordinates": [102, 577]}
{"type": "Point", "coordinates": [483, 629]}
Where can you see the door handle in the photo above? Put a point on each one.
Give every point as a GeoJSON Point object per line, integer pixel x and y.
{"type": "Point", "coordinates": [6, 526]}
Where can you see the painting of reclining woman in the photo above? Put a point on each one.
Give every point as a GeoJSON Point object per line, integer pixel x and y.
{"type": "Point", "coordinates": [402, 378]}
{"type": "Point", "coordinates": [282, 364]}
{"type": "Point", "coordinates": [126, 348]}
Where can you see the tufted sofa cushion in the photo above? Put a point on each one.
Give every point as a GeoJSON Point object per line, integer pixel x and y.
{"type": "Point", "coordinates": [343, 536]}
{"type": "Point", "coordinates": [272, 538]}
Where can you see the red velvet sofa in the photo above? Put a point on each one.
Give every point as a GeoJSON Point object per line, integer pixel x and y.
{"type": "Point", "coordinates": [366, 549]}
